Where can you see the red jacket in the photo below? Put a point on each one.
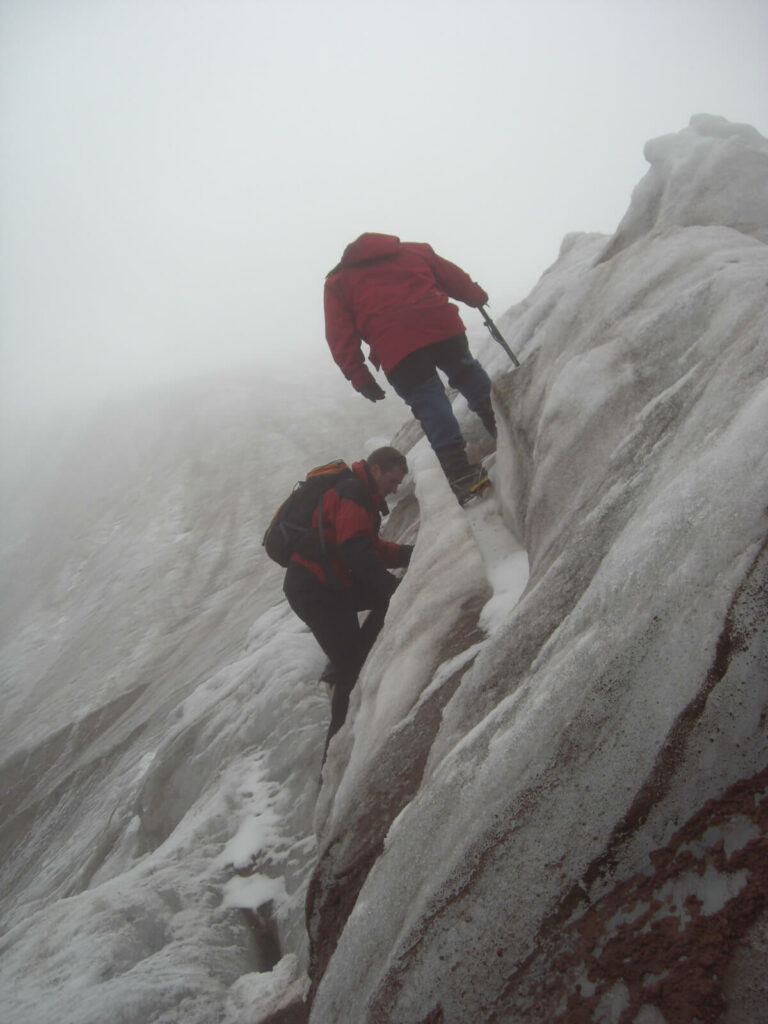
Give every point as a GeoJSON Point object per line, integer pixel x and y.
{"type": "Point", "coordinates": [394, 296]}
{"type": "Point", "coordinates": [351, 513]}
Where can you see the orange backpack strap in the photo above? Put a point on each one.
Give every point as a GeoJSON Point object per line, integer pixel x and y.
{"type": "Point", "coordinates": [328, 469]}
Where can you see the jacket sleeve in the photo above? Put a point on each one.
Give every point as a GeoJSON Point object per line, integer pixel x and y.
{"type": "Point", "coordinates": [343, 338]}
{"type": "Point", "coordinates": [394, 556]}
{"type": "Point", "coordinates": [455, 282]}
{"type": "Point", "coordinates": [366, 567]}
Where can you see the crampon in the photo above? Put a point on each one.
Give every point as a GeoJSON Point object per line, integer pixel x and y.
{"type": "Point", "coordinates": [471, 487]}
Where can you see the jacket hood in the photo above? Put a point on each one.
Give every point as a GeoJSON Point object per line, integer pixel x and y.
{"type": "Point", "coordinates": [369, 246]}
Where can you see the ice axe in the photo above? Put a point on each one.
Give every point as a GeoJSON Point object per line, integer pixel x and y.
{"type": "Point", "coordinates": [497, 335]}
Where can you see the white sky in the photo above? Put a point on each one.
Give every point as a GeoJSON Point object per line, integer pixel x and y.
{"type": "Point", "coordinates": [177, 176]}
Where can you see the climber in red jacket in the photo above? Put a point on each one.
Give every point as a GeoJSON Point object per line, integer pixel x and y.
{"type": "Point", "coordinates": [328, 592]}
{"type": "Point", "coordinates": [395, 296]}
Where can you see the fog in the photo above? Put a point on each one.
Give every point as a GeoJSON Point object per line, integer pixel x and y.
{"type": "Point", "coordinates": [177, 178]}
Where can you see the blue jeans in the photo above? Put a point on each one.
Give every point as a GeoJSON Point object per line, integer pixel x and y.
{"type": "Point", "coordinates": [415, 379]}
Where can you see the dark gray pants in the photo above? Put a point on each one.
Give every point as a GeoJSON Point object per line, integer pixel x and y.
{"type": "Point", "coordinates": [331, 614]}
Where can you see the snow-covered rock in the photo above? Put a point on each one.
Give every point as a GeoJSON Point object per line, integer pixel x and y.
{"type": "Point", "coordinates": [711, 174]}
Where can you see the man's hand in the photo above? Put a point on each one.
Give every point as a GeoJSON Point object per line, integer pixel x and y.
{"type": "Point", "coordinates": [372, 391]}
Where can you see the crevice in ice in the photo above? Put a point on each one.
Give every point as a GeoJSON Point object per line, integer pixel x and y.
{"type": "Point", "coordinates": [505, 560]}
{"type": "Point", "coordinates": [266, 936]}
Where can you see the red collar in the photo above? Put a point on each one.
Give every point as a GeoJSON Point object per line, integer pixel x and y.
{"type": "Point", "coordinates": [363, 472]}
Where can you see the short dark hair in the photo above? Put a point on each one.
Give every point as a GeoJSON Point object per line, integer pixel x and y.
{"type": "Point", "coordinates": [387, 458]}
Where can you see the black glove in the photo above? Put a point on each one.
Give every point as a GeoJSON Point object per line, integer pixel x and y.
{"type": "Point", "coordinates": [372, 391]}
{"type": "Point", "coordinates": [404, 558]}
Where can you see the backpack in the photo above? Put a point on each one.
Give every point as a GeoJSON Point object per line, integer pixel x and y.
{"type": "Point", "coordinates": [291, 526]}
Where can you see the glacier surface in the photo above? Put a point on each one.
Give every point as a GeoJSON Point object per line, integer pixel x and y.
{"type": "Point", "coordinates": [548, 802]}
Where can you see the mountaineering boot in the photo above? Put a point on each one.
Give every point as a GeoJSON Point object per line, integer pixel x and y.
{"type": "Point", "coordinates": [467, 479]}
{"type": "Point", "coordinates": [330, 677]}
{"type": "Point", "coordinates": [453, 460]}
{"type": "Point", "coordinates": [485, 411]}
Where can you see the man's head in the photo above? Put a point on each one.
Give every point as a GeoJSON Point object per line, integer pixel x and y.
{"type": "Point", "coordinates": [387, 467]}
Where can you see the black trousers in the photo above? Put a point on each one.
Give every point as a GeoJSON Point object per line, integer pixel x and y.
{"type": "Point", "coordinates": [331, 614]}
{"type": "Point", "coordinates": [453, 357]}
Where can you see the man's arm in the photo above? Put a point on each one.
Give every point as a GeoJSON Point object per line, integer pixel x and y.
{"type": "Point", "coordinates": [454, 281]}
{"type": "Point", "coordinates": [358, 544]}
{"type": "Point", "coordinates": [366, 567]}
{"type": "Point", "coordinates": [394, 556]}
{"type": "Point", "coordinates": [344, 340]}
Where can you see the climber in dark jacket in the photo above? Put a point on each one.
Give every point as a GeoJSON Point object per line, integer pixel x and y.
{"type": "Point", "coordinates": [394, 296]}
{"type": "Point", "coordinates": [328, 592]}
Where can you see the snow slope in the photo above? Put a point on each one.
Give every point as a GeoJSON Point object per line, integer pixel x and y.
{"type": "Point", "coordinates": [548, 802]}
